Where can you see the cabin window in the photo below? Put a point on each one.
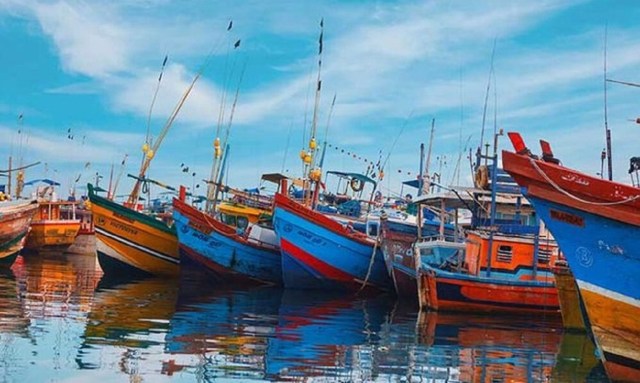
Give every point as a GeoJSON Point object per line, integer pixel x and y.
{"type": "Point", "coordinates": [229, 219]}
{"type": "Point", "coordinates": [544, 255]}
{"type": "Point", "coordinates": [372, 230]}
{"type": "Point", "coordinates": [505, 253]}
{"type": "Point", "coordinates": [243, 222]}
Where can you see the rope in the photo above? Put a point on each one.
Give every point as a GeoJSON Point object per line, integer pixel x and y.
{"type": "Point", "coordinates": [373, 256]}
{"type": "Point", "coordinates": [558, 188]}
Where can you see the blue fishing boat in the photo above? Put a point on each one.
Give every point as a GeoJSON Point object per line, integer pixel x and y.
{"type": "Point", "coordinates": [597, 225]}
{"type": "Point", "coordinates": [249, 255]}
{"type": "Point", "coordinates": [320, 252]}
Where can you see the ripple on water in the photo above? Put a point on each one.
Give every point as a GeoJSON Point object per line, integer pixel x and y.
{"type": "Point", "coordinates": [61, 320]}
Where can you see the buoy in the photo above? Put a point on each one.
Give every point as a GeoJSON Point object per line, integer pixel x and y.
{"type": "Point", "coordinates": [314, 175]}
{"type": "Point", "coordinates": [312, 144]}
{"type": "Point", "coordinates": [145, 148]}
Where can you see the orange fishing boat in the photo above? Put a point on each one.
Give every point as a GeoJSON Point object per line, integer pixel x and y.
{"type": "Point", "coordinates": [55, 225]}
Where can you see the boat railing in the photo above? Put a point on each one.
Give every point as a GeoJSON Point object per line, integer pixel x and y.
{"type": "Point", "coordinates": [441, 238]}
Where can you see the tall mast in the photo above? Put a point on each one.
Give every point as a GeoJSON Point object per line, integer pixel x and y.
{"type": "Point", "coordinates": [606, 123]}
{"type": "Point", "coordinates": [149, 152]}
{"type": "Point", "coordinates": [426, 185]}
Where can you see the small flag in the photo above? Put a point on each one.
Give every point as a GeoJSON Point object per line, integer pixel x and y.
{"type": "Point", "coordinates": [320, 43]}
{"type": "Point", "coordinates": [230, 25]}
{"type": "Point", "coordinates": [237, 44]}
{"type": "Point", "coordinates": [166, 57]}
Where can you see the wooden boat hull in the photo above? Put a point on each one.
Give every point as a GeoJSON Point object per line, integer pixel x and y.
{"type": "Point", "coordinates": [15, 219]}
{"type": "Point", "coordinates": [319, 253]}
{"type": "Point", "coordinates": [569, 298]}
{"type": "Point", "coordinates": [452, 291]}
{"type": "Point", "coordinates": [597, 225]}
{"type": "Point", "coordinates": [219, 248]}
{"type": "Point", "coordinates": [84, 244]}
{"type": "Point", "coordinates": [132, 243]}
{"type": "Point", "coordinates": [397, 249]}
{"type": "Point", "coordinates": [52, 234]}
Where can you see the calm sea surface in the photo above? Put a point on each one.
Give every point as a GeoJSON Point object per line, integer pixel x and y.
{"type": "Point", "coordinates": [61, 321]}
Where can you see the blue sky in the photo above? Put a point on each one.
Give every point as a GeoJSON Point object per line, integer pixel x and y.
{"type": "Point", "coordinates": [393, 65]}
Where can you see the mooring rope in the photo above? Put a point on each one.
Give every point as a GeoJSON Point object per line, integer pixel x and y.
{"type": "Point", "coordinates": [561, 190]}
{"type": "Point", "coordinates": [373, 257]}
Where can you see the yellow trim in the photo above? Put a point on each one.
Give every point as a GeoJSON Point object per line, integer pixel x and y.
{"type": "Point", "coordinates": [138, 233]}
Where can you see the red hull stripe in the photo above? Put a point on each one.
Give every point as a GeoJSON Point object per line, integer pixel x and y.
{"type": "Point", "coordinates": [319, 219]}
{"type": "Point", "coordinates": [321, 267]}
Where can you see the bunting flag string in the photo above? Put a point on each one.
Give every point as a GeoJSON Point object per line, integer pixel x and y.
{"type": "Point", "coordinates": [374, 168]}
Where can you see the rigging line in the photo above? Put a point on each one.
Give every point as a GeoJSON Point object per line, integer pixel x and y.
{"type": "Point", "coordinates": [456, 173]}
{"type": "Point", "coordinates": [306, 109]}
{"type": "Point", "coordinates": [286, 148]}
{"type": "Point", "coordinates": [495, 105]}
{"type": "Point", "coordinates": [486, 96]}
{"type": "Point", "coordinates": [326, 129]}
{"type": "Point", "coordinates": [224, 83]}
{"type": "Point", "coordinates": [153, 101]}
{"type": "Point", "coordinates": [133, 197]}
{"type": "Point", "coordinates": [623, 82]}
{"type": "Point", "coordinates": [219, 166]}
{"type": "Point", "coordinates": [395, 141]}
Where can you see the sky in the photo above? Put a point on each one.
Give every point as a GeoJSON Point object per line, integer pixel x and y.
{"type": "Point", "coordinates": [83, 75]}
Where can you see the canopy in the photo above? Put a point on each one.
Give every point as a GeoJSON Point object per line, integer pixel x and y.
{"type": "Point", "coordinates": [357, 176]}
{"type": "Point", "coordinates": [274, 177]}
{"type": "Point", "coordinates": [43, 180]}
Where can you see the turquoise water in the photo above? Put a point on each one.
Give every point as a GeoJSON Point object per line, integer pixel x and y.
{"type": "Point", "coordinates": [61, 321]}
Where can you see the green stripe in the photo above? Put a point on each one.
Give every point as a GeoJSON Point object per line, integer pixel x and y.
{"type": "Point", "coordinates": [129, 213]}
{"type": "Point", "coordinates": [8, 244]}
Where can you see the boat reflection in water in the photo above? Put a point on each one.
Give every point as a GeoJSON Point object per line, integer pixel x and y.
{"type": "Point", "coordinates": [12, 315]}
{"type": "Point", "coordinates": [127, 325]}
{"type": "Point", "coordinates": [56, 327]}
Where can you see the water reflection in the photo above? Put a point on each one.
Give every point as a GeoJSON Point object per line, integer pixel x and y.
{"type": "Point", "coordinates": [60, 320]}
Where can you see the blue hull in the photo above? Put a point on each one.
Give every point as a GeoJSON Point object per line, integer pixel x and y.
{"type": "Point", "coordinates": [601, 252]}
{"type": "Point", "coordinates": [226, 256]}
{"type": "Point", "coordinates": [314, 257]}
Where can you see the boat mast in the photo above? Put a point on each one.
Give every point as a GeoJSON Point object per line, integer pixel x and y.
{"type": "Point", "coordinates": [606, 123]}
{"type": "Point", "coordinates": [427, 185]}
{"type": "Point", "coordinates": [150, 151]}
{"type": "Point", "coordinates": [310, 172]}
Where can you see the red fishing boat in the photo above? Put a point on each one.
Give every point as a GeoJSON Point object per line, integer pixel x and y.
{"type": "Point", "coordinates": [597, 225]}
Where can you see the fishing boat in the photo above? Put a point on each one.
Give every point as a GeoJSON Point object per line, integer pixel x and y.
{"type": "Point", "coordinates": [85, 242]}
{"type": "Point", "coordinates": [396, 241]}
{"type": "Point", "coordinates": [130, 242]}
{"type": "Point", "coordinates": [573, 316]}
{"type": "Point", "coordinates": [55, 225]}
{"type": "Point", "coordinates": [504, 264]}
{"type": "Point", "coordinates": [247, 252]}
{"type": "Point", "coordinates": [596, 223]}
{"type": "Point", "coordinates": [15, 220]}
{"type": "Point", "coordinates": [320, 252]}
{"type": "Point", "coordinates": [504, 267]}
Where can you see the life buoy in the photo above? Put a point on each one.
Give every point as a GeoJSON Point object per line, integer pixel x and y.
{"type": "Point", "coordinates": [356, 184]}
{"type": "Point", "coordinates": [482, 177]}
